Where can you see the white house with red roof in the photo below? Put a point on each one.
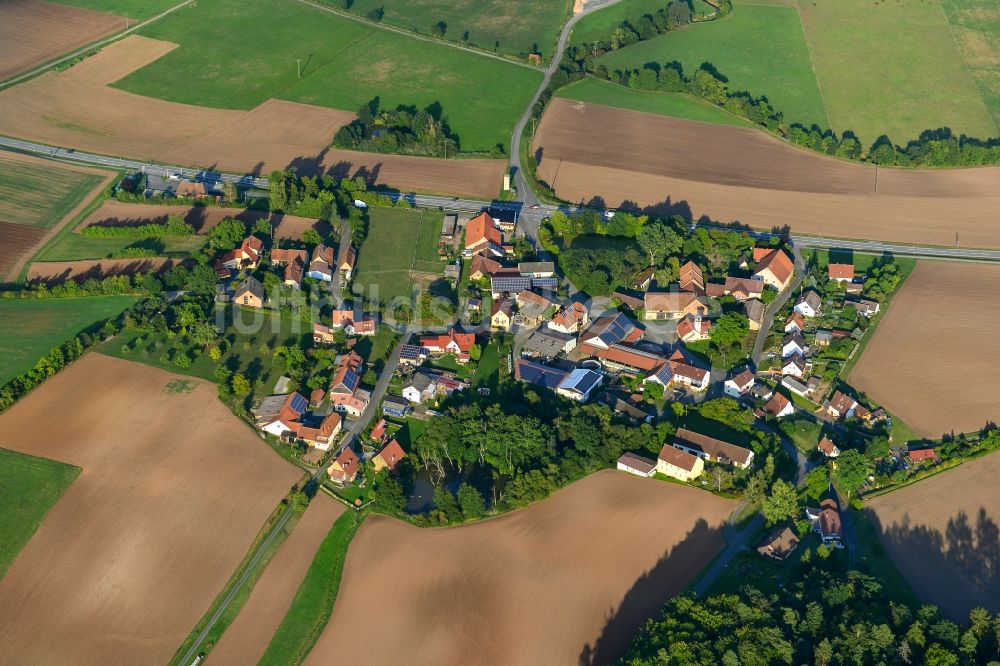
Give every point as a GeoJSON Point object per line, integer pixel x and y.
{"type": "Point", "coordinates": [483, 236]}
{"type": "Point", "coordinates": [774, 267]}
{"type": "Point", "coordinates": [452, 342]}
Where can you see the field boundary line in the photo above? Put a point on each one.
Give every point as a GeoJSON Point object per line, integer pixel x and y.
{"type": "Point", "coordinates": [41, 69]}
{"type": "Point", "coordinates": [812, 65]}
{"type": "Point", "coordinates": [414, 35]}
{"type": "Point", "coordinates": [965, 64]}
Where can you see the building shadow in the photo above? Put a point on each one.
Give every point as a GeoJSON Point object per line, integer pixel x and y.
{"type": "Point", "coordinates": [648, 595]}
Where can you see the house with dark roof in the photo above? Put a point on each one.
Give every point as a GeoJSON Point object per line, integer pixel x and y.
{"type": "Point", "coordinates": [712, 449]}
{"type": "Point", "coordinates": [537, 269]}
{"type": "Point", "coordinates": [755, 310]}
{"type": "Point", "coordinates": [579, 384]}
{"type": "Point", "coordinates": [548, 344]}
{"type": "Point", "coordinates": [249, 293]}
{"type": "Point", "coordinates": [809, 304]}
{"type": "Point", "coordinates": [395, 406]}
{"type": "Point", "coordinates": [609, 330]}
{"type": "Point", "coordinates": [539, 374]}
{"type": "Point", "coordinates": [779, 544]}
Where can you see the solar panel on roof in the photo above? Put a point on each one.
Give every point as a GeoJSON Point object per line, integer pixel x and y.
{"type": "Point", "coordinates": [542, 283]}
{"type": "Point", "coordinates": [299, 403]}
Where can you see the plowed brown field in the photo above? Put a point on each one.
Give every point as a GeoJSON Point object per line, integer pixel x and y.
{"type": "Point", "coordinates": [564, 580]}
{"type": "Point", "coordinates": [77, 108]}
{"type": "Point", "coordinates": [16, 241]}
{"type": "Point", "coordinates": [33, 32]}
{"type": "Point", "coordinates": [202, 218]}
{"type": "Point", "coordinates": [931, 361]}
{"type": "Point", "coordinates": [745, 175]}
{"type": "Point", "coordinates": [246, 639]}
{"type": "Point", "coordinates": [53, 272]}
{"type": "Point", "coordinates": [942, 534]}
{"type": "Point", "coordinates": [173, 491]}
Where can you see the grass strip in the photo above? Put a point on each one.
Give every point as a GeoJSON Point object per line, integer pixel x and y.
{"type": "Point", "coordinates": [313, 603]}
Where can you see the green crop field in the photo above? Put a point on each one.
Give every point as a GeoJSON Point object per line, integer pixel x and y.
{"type": "Point", "coordinates": [31, 328]}
{"type": "Point", "coordinates": [599, 25]}
{"type": "Point", "coordinates": [515, 28]}
{"type": "Point", "coordinates": [72, 246]}
{"type": "Point", "coordinates": [40, 195]}
{"type": "Point", "coordinates": [399, 241]}
{"type": "Point", "coordinates": [133, 9]}
{"type": "Point", "coordinates": [975, 25]}
{"type": "Point", "coordinates": [759, 49]}
{"type": "Point", "coordinates": [236, 55]}
{"type": "Point", "coordinates": [29, 487]}
{"type": "Point", "coordinates": [677, 105]}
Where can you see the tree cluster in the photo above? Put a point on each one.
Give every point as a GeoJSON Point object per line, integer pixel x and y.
{"type": "Point", "coordinates": [174, 226]}
{"type": "Point", "coordinates": [403, 131]}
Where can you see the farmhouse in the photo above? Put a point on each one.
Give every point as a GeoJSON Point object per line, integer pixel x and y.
{"type": "Point", "coordinates": [546, 343]}
{"type": "Point", "coordinates": [250, 293]}
{"type": "Point", "coordinates": [351, 403]}
{"type": "Point", "coordinates": [828, 448]}
{"type": "Point", "coordinates": [345, 263]}
{"type": "Point", "coordinates": [808, 304]}
{"type": "Point", "coordinates": [774, 267]}
{"type": "Point", "coordinates": [712, 450]}
{"type": "Point", "coordinates": [482, 236]}
{"type": "Point", "coordinates": [679, 464]}
{"type": "Point", "coordinates": [532, 307]}
{"type": "Point", "coordinates": [452, 342]}
{"type": "Point", "coordinates": [279, 415]}
{"type": "Point", "coordinates": [826, 522]}
{"type": "Point", "coordinates": [627, 358]}
{"type": "Point", "coordinates": [840, 272]}
{"type": "Point", "coordinates": [633, 300]}
{"type": "Point", "coordinates": [742, 289]}
{"type": "Point", "coordinates": [673, 304]}
{"type": "Point", "coordinates": [482, 266]}
{"type": "Point", "coordinates": [755, 311]}
{"type": "Point", "coordinates": [779, 544]}
{"type": "Point", "coordinates": [389, 457]}
{"type": "Point", "coordinates": [634, 464]}
{"type": "Point", "coordinates": [678, 370]}
{"type": "Point", "coordinates": [608, 330]}
{"type": "Point", "coordinates": [739, 385]}
{"type": "Point", "coordinates": [691, 278]}
{"type": "Point", "coordinates": [579, 384]}
{"type": "Point", "coordinates": [693, 328]}
{"type": "Point", "coordinates": [778, 406]}
{"type": "Point", "coordinates": [344, 469]}
{"type": "Point", "coordinates": [571, 319]}
{"type": "Point", "coordinates": [323, 437]}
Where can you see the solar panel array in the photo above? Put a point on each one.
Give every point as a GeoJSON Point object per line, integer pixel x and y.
{"type": "Point", "coordinates": [410, 352]}
{"type": "Point", "coordinates": [617, 330]}
{"type": "Point", "coordinates": [542, 375]}
{"type": "Point", "coordinates": [299, 403]}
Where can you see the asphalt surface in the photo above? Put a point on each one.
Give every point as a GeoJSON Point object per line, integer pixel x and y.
{"type": "Point", "coordinates": [775, 307]}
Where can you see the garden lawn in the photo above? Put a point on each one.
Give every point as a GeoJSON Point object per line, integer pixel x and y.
{"type": "Point", "coordinates": [133, 9]}
{"type": "Point", "coordinates": [488, 370]}
{"type": "Point", "coordinates": [31, 328]}
{"type": "Point", "coordinates": [894, 67]}
{"type": "Point", "coordinates": [515, 28]}
{"type": "Point", "coordinates": [40, 195]}
{"type": "Point", "coordinates": [805, 434]}
{"type": "Point", "coordinates": [677, 105]}
{"type": "Point", "coordinates": [29, 487]}
{"type": "Point", "coordinates": [72, 246]}
{"type": "Point", "coordinates": [313, 603]}
{"type": "Point", "coordinates": [376, 347]}
{"type": "Point", "coordinates": [759, 49]}
{"type": "Point", "coordinates": [399, 241]}
{"type": "Point", "coordinates": [344, 63]}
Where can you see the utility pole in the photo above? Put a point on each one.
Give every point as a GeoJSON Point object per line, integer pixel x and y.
{"type": "Point", "coordinates": [298, 67]}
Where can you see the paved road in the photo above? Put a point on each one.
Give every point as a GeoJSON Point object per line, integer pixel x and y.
{"type": "Point", "coordinates": [735, 543]}
{"type": "Point", "coordinates": [775, 307]}
{"type": "Point", "coordinates": [90, 47]}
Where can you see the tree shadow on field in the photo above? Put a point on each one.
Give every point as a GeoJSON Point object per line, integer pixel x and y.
{"type": "Point", "coordinates": [649, 593]}
{"type": "Point", "coordinates": [957, 569]}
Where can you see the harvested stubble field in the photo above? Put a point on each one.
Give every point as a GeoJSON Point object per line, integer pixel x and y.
{"type": "Point", "coordinates": [942, 533]}
{"type": "Point", "coordinates": [54, 272]}
{"type": "Point", "coordinates": [33, 32]}
{"type": "Point", "coordinates": [142, 542]}
{"type": "Point", "coordinates": [78, 108]}
{"type": "Point", "coordinates": [248, 636]}
{"type": "Point", "coordinates": [567, 579]}
{"type": "Point", "coordinates": [117, 214]}
{"type": "Point", "coordinates": [745, 175]}
{"type": "Point", "coordinates": [931, 361]}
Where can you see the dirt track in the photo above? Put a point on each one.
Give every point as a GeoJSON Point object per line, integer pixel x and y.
{"type": "Point", "coordinates": [745, 175]}
{"type": "Point", "coordinates": [173, 491]}
{"type": "Point", "coordinates": [53, 272]}
{"type": "Point", "coordinates": [33, 32]}
{"type": "Point", "coordinates": [942, 534]}
{"type": "Point", "coordinates": [533, 587]}
{"type": "Point", "coordinates": [246, 639]}
{"type": "Point", "coordinates": [78, 108]}
{"type": "Point", "coordinates": [931, 361]}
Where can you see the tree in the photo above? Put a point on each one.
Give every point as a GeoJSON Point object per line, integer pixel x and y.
{"type": "Point", "coordinates": [445, 502]}
{"type": "Point", "coordinates": [389, 497]}
{"type": "Point", "coordinates": [781, 504]}
{"type": "Point", "coordinates": [728, 330]}
{"type": "Point", "coordinates": [299, 501]}
{"type": "Point", "coordinates": [229, 191]}
{"type": "Point", "coordinates": [227, 234]}
{"type": "Point", "coordinates": [817, 482]}
{"type": "Point", "coordinates": [241, 385]}
{"type": "Point", "coordinates": [475, 352]}
{"type": "Point", "coordinates": [311, 237]}
{"type": "Point", "coordinates": [878, 448]}
{"type": "Point", "coordinates": [653, 391]}
{"type": "Point", "coordinates": [471, 502]}
{"type": "Point", "coordinates": [852, 471]}
{"type": "Point", "coordinates": [658, 241]}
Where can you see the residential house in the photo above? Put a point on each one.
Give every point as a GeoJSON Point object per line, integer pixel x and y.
{"type": "Point", "coordinates": [628, 408]}
{"type": "Point", "coordinates": [679, 464]}
{"type": "Point", "coordinates": [841, 406]}
{"type": "Point", "coordinates": [504, 217]}
{"type": "Point", "coordinates": [571, 319]}
{"type": "Point", "coordinates": [482, 266]}
{"type": "Point", "coordinates": [823, 337]}
{"type": "Point", "coordinates": [279, 415]}
{"type": "Point", "coordinates": [691, 278]}
{"type": "Point", "coordinates": [677, 369]}
{"type": "Point", "coordinates": [742, 289]}
{"type": "Point", "coordinates": [532, 307]}
{"type": "Point", "coordinates": [633, 464]}
{"type": "Point", "coordinates": [420, 387]}
{"type": "Point", "coordinates": [608, 330]}
{"type": "Point", "coordinates": [539, 374]}
{"type": "Point", "coordinates": [774, 267]}
{"type": "Point", "coordinates": [755, 311]}
{"type": "Point", "coordinates": [673, 304]}
{"type": "Point", "coordinates": [452, 342]}
{"type": "Point", "coordinates": [923, 455]}
{"type": "Point", "coordinates": [347, 375]}
{"type": "Point", "coordinates": [778, 406]}
{"type": "Point", "coordinates": [795, 323]}
{"type": "Point", "coordinates": [482, 236]}
{"type": "Point", "coordinates": [322, 335]}
{"type": "Point", "coordinates": [502, 314]}
{"type": "Point", "coordinates": [779, 544]}
{"type": "Point", "coordinates": [325, 435]}
{"type": "Point", "coordinates": [793, 344]}
{"type": "Point", "coordinates": [579, 384]}
{"type": "Point", "coordinates": [352, 404]}
{"type": "Point", "coordinates": [410, 355]}
{"type": "Point", "coordinates": [537, 269]}
{"type": "Point", "coordinates": [739, 385]}
{"type": "Point", "coordinates": [395, 407]}
{"type": "Point", "coordinates": [809, 304]}
{"type": "Point", "coordinates": [250, 293]}
{"type": "Point", "coordinates": [826, 522]}
{"type": "Point", "coordinates": [840, 272]}
{"type": "Point", "coordinates": [794, 365]}
{"type": "Point", "coordinates": [345, 263]}
{"type": "Point", "coordinates": [693, 328]}
{"type": "Point", "coordinates": [316, 397]}
{"type": "Point", "coordinates": [247, 255]}
{"type": "Point", "coordinates": [280, 257]}
{"type": "Point", "coordinates": [379, 432]}
{"type": "Point", "coordinates": [712, 449]}
{"type": "Point", "coordinates": [644, 279]}
{"type": "Point", "coordinates": [321, 264]}
{"type": "Point", "coordinates": [828, 448]}
{"type": "Point", "coordinates": [864, 306]}
{"type": "Point", "coordinates": [389, 457]}
{"type": "Point", "coordinates": [546, 343]}
{"type": "Point", "coordinates": [344, 469]}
